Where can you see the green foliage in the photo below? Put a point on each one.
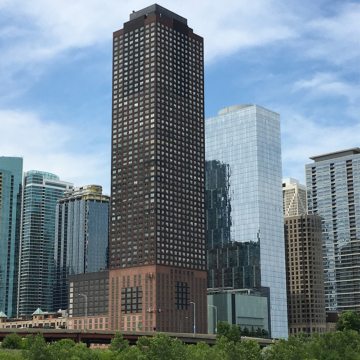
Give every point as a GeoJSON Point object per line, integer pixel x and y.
{"type": "Point", "coordinates": [344, 345]}
{"type": "Point", "coordinates": [249, 350]}
{"type": "Point", "coordinates": [163, 347]}
{"type": "Point", "coordinates": [225, 348]}
{"type": "Point", "coordinates": [202, 351]}
{"type": "Point", "coordinates": [12, 341]}
{"type": "Point", "coordinates": [28, 341]}
{"type": "Point", "coordinates": [81, 352]}
{"type": "Point", "coordinates": [229, 331]}
{"type": "Point", "coordinates": [234, 332]}
{"type": "Point", "coordinates": [230, 350]}
{"type": "Point", "coordinates": [143, 343]}
{"type": "Point", "coordinates": [160, 346]}
{"type": "Point", "coordinates": [104, 354]}
{"type": "Point", "coordinates": [38, 349]}
{"type": "Point", "coordinates": [118, 343]}
{"type": "Point", "coordinates": [10, 355]}
{"type": "Point", "coordinates": [61, 350]}
{"type": "Point", "coordinates": [348, 320]}
{"type": "Point", "coordinates": [293, 349]}
{"type": "Point", "coordinates": [132, 353]}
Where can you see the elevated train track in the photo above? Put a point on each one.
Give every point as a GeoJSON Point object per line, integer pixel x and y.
{"type": "Point", "coordinates": [104, 337]}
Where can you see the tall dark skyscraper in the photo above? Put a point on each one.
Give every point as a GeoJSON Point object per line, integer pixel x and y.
{"type": "Point", "coordinates": [157, 232]}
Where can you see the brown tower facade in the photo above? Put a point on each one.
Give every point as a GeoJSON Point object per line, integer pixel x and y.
{"type": "Point", "coordinates": [157, 235]}
{"type": "Point", "coordinates": [304, 264]}
{"type": "Point", "coordinates": [305, 274]}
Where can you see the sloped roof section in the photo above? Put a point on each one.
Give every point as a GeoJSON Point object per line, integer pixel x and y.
{"type": "Point", "coordinates": [38, 311]}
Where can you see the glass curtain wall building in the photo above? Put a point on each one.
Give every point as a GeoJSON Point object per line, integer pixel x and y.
{"type": "Point", "coordinates": [81, 237]}
{"type": "Point", "coordinates": [10, 210]}
{"type": "Point", "coordinates": [41, 192]}
{"type": "Point", "coordinates": [333, 189]}
{"type": "Point", "coordinates": [244, 205]}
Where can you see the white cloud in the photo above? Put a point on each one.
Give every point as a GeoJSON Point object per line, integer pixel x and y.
{"type": "Point", "coordinates": [42, 30]}
{"type": "Point", "coordinates": [335, 39]}
{"type": "Point", "coordinates": [328, 84]}
{"type": "Point", "coordinates": [304, 137]}
{"type": "Point", "coordinates": [229, 27]}
{"type": "Point", "coordinates": [47, 28]}
{"type": "Point", "coordinates": [48, 146]}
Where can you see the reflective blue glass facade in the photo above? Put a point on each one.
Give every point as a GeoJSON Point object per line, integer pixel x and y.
{"type": "Point", "coordinates": [36, 279]}
{"type": "Point", "coordinates": [81, 238]}
{"type": "Point", "coordinates": [10, 209]}
{"type": "Point", "coordinates": [244, 204]}
{"type": "Point", "coordinates": [333, 189]}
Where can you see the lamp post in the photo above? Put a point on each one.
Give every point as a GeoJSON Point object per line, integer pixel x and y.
{"type": "Point", "coordinates": [216, 315]}
{"type": "Point", "coordinates": [86, 309]}
{"type": "Point", "coordinates": [194, 320]}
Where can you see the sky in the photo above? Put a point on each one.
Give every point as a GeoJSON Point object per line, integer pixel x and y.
{"type": "Point", "coordinates": [299, 59]}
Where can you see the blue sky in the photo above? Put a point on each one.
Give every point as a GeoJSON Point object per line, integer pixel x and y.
{"type": "Point", "coordinates": [298, 59]}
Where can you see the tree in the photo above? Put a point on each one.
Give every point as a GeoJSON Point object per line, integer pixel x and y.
{"type": "Point", "coordinates": [348, 320]}
{"type": "Point", "coordinates": [202, 351]}
{"type": "Point", "coordinates": [118, 343]}
{"type": "Point", "coordinates": [295, 348]}
{"type": "Point", "coordinates": [28, 341]}
{"type": "Point", "coordinates": [230, 331]}
{"type": "Point", "coordinates": [81, 352]}
{"type": "Point", "coordinates": [229, 350]}
{"type": "Point", "coordinates": [10, 355]}
{"type": "Point", "coordinates": [62, 349]}
{"type": "Point", "coordinates": [12, 341]}
{"type": "Point", "coordinates": [249, 350]}
{"type": "Point", "coordinates": [343, 345]}
{"type": "Point", "coordinates": [163, 347]}
{"type": "Point", "coordinates": [38, 350]}
{"type": "Point", "coordinates": [131, 353]}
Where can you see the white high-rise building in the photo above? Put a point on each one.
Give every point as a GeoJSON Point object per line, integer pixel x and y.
{"type": "Point", "coordinates": [333, 189]}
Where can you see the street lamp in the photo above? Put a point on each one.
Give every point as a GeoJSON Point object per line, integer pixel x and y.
{"type": "Point", "coordinates": [194, 320]}
{"type": "Point", "coordinates": [86, 309]}
{"type": "Point", "coordinates": [216, 315]}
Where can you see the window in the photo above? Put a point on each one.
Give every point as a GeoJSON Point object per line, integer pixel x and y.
{"type": "Point", "coordinates": [131, 299]}
{"type": "Point", "coordinates": [182, 295]}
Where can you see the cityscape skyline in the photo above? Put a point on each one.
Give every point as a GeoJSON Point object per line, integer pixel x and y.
{"type": "Point", "coordinates": [299, 61]}
{"type": "Point", "coordinates": [158, 222]}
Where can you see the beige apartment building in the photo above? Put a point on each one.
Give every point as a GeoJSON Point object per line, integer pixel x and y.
{"type": "Point", "coordinates": [304, 267]}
